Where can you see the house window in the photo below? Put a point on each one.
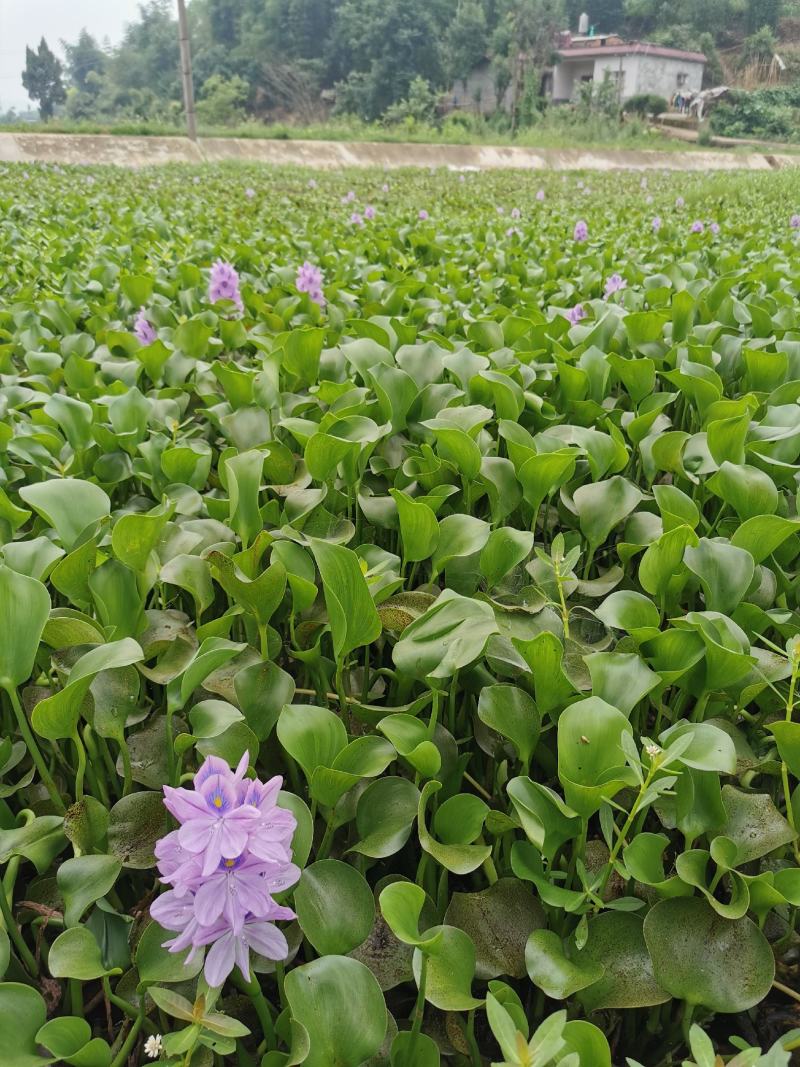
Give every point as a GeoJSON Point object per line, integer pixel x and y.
{"type": "Point", "coordinates": [682, 79]}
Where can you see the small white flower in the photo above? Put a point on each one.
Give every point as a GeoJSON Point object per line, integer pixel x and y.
{"type": "Point", "coordinates": [153, 1046]}
{"type": "Point", "coordinates": [652, 750]}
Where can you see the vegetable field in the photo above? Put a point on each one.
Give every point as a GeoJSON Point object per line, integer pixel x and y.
{"type": "Point", "coordinates": [399, 626]}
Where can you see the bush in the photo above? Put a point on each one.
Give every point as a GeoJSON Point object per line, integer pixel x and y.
{"type": "Point", "coordinates": [766, 113]}
{"type": "Point", "coordinates": [645, 104]}
{"type": "Point", "coordinates": [418, 107]}
{"type": "Point", "coordinates": [222, 100]}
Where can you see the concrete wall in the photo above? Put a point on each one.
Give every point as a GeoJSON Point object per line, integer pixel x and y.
{"type": "Point", "coordinates": [30, 148]}
{"type": "Point", "coordinates": [476, 93]}
{"type": "Point", "coordinates": [658, 75]}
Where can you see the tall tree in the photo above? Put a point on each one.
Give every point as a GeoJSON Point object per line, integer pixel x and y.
{"type": "Point", "coordinates": [466, 41]}
{"type": "Point", "coordinates": [42, 79]}
{"type": "Point", "coordinates": [84, 57]}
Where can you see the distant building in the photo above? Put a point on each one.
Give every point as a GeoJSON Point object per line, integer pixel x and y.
{"type": "Point", "coordinates": [636, 67]}
{"type": "Point", "coordinates": [477, 92]}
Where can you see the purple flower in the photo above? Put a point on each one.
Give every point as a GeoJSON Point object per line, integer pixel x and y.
{"type": "Point", "coordinates": [224, 284]}
{"type": "Point", "coordinates": [369, 212]}
{"type": "Point", "coordinates": [423, 215]}
{"type": "Point", "coordinates": [513, 231]}
{"type": "Point", "coordinates": [679, 201]}
{"type": "Point", "coordinates": [794, 222]}
{"type": "Point", "coordinates": [500, 209]}
{"type": "Point", "coordinates": [581, 231]}
{"type": "Point", "coordinates": [614, 284]}
{"type": "Point", "coordinates": [143, 329]}
{"type": "Point", "coordinates": [385, 187]}
{"type": "Point", "coordinates": [230, 854]}
{"type": "Point", "coordinates": [249, 192]}
{"type": "Point", "coordinates": [461, 178]}
{"type": "Point", "coordinates": [516, 213]}
{"type": "Point", "coordinates": [656, 224]}
{"type": "Point", "coordinates": [697, 226]}
{"type": "Point", "coordinates": [575, 314]}
{"type": "Point", "coordinates": [349, 198]}
{"type": "Point", "coordinates": [309, 280]}
{"type": "Point", "coordinates": [356, 219]}
{"type": "Point", "coordinates": [540, 195]}
{"type": "Point", "coordinates": [229, 948]}
{"type": "Point", "coordinates": [714, 227]}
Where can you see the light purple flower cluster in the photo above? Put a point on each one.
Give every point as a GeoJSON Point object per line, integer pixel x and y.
{"type": "Point", "coordinates": [143, 328]}
{"type": "Point", "coordinates": [679, 201]}
{"type": "Point", "coordinates": [794, 222]}
{"type": "Point", "coordinates": [576, 314]}
{"type": "Point", "coordinates": [357, 219]}
{"type": "Point", "coordinates": [423, 215]}
{"type": "Point", "coordinates": [540, 195]}
{"type": "Point", "coordinates": [369, 212]}
{"type": "Point", "coordinates": [309, 280]}
{"type": "Point", "coordinates": [614, 284]}
{"type": "Point", "coordinates": [231, 852]}
{"type": "Point", "coordinates": [697, 226]}
{"type": "Point", "coordinates": [224, 284]}
{"type": "Point", "coordinates": [656, 224]}
{"type": "Point", "coordinates": [581, 231]}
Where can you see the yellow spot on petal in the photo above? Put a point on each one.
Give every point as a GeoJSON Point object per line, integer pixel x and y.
{"type": "Point", "coordinates": [217, 802]}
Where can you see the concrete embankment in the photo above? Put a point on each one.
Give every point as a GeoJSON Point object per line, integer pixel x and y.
{"type": "Point", "coordinates": [148, 151]}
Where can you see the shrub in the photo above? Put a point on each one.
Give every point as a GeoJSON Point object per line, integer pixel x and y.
{"type": "Point", "coordinates": [645, 104]}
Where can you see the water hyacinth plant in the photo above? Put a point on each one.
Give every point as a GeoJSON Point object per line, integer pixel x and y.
{"type": "Point", "coordinates": [398, 667]}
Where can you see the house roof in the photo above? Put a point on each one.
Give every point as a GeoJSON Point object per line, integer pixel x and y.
{"type": "Point", "coordinates": [633, 48]}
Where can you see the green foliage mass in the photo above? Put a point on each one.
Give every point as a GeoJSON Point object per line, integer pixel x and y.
{"type": "Point", "coordinates": [507, 595]}
{"type": "Point", "coordinates": [364, 54]}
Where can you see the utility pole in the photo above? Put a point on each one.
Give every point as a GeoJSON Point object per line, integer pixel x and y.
{"type": "Point", "coordinates": [186, 72]}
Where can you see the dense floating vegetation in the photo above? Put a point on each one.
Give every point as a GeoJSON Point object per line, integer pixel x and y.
{"type": "Point", "coordinates": [467, 504]}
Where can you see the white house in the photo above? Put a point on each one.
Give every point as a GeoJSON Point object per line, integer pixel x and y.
{"type": "Point", "coordinates": [635, 66]}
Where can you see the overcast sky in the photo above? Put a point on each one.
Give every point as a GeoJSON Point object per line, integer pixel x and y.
{"type": "Point", "coordinates": [24, 22]}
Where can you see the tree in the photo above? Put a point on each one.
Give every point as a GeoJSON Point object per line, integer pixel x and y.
{"type": "Point", "coordinates": [465, 41]}
{"type": "Point", "coordinates": [42, 79]}
{"type": "Point", "coordinates": [84, 58]}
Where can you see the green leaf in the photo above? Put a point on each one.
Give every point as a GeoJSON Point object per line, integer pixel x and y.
{"type": "Point", "coordinates": [615, 941]}
{"type": "Point", "coordinates": [449, 635]}
{"type": "Point", "coordinates": [24, 609]}
{"type": "Point", "coordinates": [450, 968]}
{"type": "Point", "coordinates": [335, 907]}
{"type": "Point", "coordinates": [724, 965]}
{"type": "Point", "coordinates": [341, 1007]}
{"type": "Point", "coordinates": [83, 880]}
{"type": "Point", "coordinates": [69, 505]}
{"type": "Point", "coordinates": [553, 971]}
{"type": "Point", "coordinates": [512, 713]}
{"type": "Point", "coordinates": [602, 505]}
{"type": "Point", "coordinates": [352, 615]}
{"type": "Point", "coordinates": [419, 528]}
{"type": "Point", "coordinates": [76, 954]}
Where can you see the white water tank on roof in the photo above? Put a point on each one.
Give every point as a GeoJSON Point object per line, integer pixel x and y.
{"type": "Point", "coordinates": [583, 24]}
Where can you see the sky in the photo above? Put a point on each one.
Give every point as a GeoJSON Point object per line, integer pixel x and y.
{"type": "Point", "coordinates": [24, 22]}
